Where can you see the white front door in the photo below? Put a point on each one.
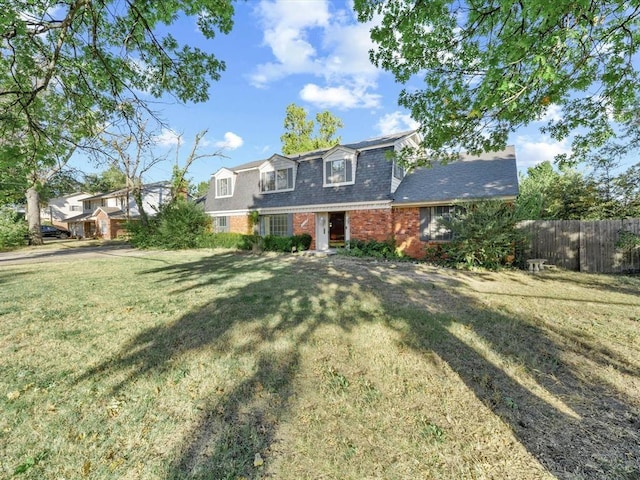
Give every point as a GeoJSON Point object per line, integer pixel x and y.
{"type": "Point", "coordinates": [322, 231]}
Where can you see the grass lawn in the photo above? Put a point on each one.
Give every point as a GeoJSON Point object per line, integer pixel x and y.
{"type": "Point", "coordinates": [218, 365]}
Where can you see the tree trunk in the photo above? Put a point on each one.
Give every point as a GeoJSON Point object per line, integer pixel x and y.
{"type": "Point", "coordinates": [33, 216]}
{"type": "Point", "coordinates": [137, 196]}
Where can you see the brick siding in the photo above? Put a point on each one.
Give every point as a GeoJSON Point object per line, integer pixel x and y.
{"type": "Point", "coordinates": [371, 224]}
{"type": "Point", "coordinates": [406, 231]}
{"type": "Point", "coordinates": [239, 224]}
{"type": "Point", "coordinates": [305, 223]}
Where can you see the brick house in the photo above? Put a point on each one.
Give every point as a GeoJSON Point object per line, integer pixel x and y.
{"type": "Point", "coordinates": [354, 191]}
{"type": "Point", "coordinates": [105, 215]}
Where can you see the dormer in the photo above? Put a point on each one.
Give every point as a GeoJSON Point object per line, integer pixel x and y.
{"type": "Point", "coordinates": [410, 142]}
{"type": "Point", "coordinates": [277, 174]}
{"type": "Point", "coordinates": [224, 181]}
{"type": "Point", "coordinates": [339, 166]}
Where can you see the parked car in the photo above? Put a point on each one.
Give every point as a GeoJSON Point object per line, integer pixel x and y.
{"type": "Point", "coordinates": [51, 231]}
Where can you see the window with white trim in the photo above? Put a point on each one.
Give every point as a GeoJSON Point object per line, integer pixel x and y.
{"type": "Point", "coordinates": [276, 180]}
{"type": "Point", "coordinates": [223, 187]}
{"type": "Point", "coordinates": [430, 228]}
{"type": "Point", "coordinates": [277, 225]}
{"type": "Point", "coordinates": [220, 224]}
{"type": "Point", "coordinates": [398, 170]}
{"type": "Point", "coordinates": [338, 172]}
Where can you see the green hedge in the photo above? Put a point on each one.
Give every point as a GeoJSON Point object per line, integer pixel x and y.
{"type": "Point", "coordinates": [270, 243]}
{"type": "Point", "coordinates": [236, 241]}
{"type": "Point", "coordinates": [371, 248]}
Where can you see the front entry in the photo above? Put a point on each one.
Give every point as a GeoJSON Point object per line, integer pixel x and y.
{"type": "Point", "coordinates": [336, 229]}
{"type": "Point", "coordinates": [322, 231]}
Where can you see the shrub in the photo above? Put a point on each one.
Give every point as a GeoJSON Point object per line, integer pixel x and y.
{"type": "Point", "coordinates": [371, 248]}
{"type": "Point", "coordinates": [484, 235]}
{"type": "Point", "coordinates": [287, 244]}
{"type": "Point", "coordinates": [177, 225]}
{"type": "Point", "coordinates": [237, 241]}
{"type": "Point", "coordinates": [13, 229]}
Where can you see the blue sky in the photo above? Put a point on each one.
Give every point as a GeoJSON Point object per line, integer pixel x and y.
{"type": "Point", "coordinates": [310, 52]}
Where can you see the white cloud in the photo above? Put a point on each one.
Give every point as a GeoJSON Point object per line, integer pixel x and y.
{"type": "Point", "coordinates": [231, 141]}
{"type": "Point", "coordinates": [553, 113]}
{"type": "Point", "coordinates": [396, 122]}
{"type": "Point", "coordinates": [309, 39]}
{"type": "Point", "coordinates": [341, 97]}
{"type": "Point", "coordinates": [532, 151]}
{"type": "Point", "coordinates": [168, 138]}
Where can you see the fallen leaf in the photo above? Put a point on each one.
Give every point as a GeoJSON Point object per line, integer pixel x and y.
{"type": "Point", "coordinates": [258, 461]}
{"type": "Point", "coordinates": [13, 395]}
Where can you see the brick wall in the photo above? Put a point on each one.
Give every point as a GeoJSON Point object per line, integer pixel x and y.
{"type": "Point", "coordinates": [239, 224]}
{"type": "Point", "coordinates": [305, 223]}
{"type": "Point", "coordinates": [371, 224]}
{"type": "Point", "coordinates": [406, 231]}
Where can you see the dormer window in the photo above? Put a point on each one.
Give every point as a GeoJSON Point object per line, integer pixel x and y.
{"type": "Point", "coordinates": [277, 180]}
{"type": "Point", "coordinates": [224, 187]}
{"type": "Point", "coordinates": [398, 170]}
{"type": "Point", "coordinates": [339, 167]}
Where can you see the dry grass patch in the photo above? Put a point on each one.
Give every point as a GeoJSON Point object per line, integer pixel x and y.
{"type": "Point", "coordinates": [216, 365]}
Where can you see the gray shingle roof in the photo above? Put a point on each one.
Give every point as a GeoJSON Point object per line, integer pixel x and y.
{"type": "Point", "coordinates": [372, 183]}
{"type": "Point", "coordinates": [488, 175]}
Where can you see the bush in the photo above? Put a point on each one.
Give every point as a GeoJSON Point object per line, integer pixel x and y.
{"type": "Point", "coordinates": [484, 235]}
{"type": "Point", "coordinates": [236, 241]}
{"type": "Point", "coordinates": [371, 248]}
{"type": "Point", "coordinates": [177, 225]}
{"type": "Point", "coordinates": [287, 244]}
{"type": "Point", "coordinates": [13, 229]}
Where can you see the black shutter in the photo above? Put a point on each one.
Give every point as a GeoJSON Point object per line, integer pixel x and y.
{"type": "Point", "coordinates": [348, 165]}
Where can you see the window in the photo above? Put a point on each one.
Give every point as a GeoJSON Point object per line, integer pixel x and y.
{"type": "Point", "coordinates": [338, 172]}
{"type": "Point", "coordinates": [398, 170]}
{"type": "Point", "coordinates": [220, 224]}
{"type": "Point", "coordinates": [223, 187]}
{"type": "Point", "coordinates": [75, 208]}
{"type": "Point", "coordinates": [277, 180]}
{"type": "Point", "coordinates": [430, 228]}
{"type": "Point", "coordinates": [277, 225]}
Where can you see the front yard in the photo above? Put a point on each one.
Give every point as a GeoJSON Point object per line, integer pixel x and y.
{"type": "Point", "coordinates": [219, 365]}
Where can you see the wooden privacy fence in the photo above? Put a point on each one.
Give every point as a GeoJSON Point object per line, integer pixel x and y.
{"type": "Point", "coordinates": [582, 245]}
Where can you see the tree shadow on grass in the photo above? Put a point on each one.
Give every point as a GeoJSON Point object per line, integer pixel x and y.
{"type": "Point", "coordinates": [571, 424]}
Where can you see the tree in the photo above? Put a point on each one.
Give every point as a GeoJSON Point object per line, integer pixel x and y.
{"type": "Point", "coordinates": [490, 67]}
{"type": "Point", "coordinates": [106, 181]}
{"type": "Point", "coordinates": [128, 148]}
{"type": "Point", "coordinates": [550, 194]}
{"type": "Point", "coordinates": [298, 136]}
{"type": "Point", "coordinates": [202, 189]}
{"type": "Point", "coordinates": [69, 68]}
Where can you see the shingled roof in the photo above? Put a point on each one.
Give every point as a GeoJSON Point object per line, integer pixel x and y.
{"type": "Point", "coordinates": [490, 175]}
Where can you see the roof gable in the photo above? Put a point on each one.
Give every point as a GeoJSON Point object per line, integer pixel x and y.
{"type": "Point", "coordinates": [490, 175]}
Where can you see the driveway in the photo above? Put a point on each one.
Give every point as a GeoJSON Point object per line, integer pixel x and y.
{"type": "Point", "coordinates": [63, 250]}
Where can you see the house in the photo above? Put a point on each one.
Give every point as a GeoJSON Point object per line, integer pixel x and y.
{"type": "Point", "coordinates": [59, 210]}
{"type": "Point", "coordinates": [354, 191]}
{"type": "Point", "coordinates": [105, 215]}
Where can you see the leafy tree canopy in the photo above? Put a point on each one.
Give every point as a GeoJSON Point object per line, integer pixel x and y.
{"type": "Point", "coordinates": [106, 181]}
{"type": "Point", "coordinates": [492, 66]}
{"type": "Point", "coordinates": [68, 68]}
{"type": "Point", "coordinates": [299, 131]}
{"type": "Point", "coordinates": [565, 194]}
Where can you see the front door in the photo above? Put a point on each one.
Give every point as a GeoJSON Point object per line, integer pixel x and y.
{"type": "Point", "coordinates": [336, 229]}
{"type": "Point", "coordinates": [322, 231]}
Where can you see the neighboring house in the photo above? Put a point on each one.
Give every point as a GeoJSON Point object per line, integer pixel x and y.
{"type": "Point", "coordinates": [354, 191]}
{"type": "Point", "coordinates": [104, 215]}
{"type": "Point", "coordinates": [60, 209]}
